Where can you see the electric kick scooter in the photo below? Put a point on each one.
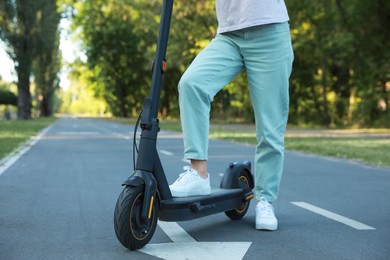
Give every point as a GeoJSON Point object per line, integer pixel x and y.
{"type": "Point", "coordinates": [146, 196]}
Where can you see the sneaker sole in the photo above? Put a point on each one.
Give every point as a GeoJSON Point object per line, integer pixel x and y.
{"type": "Point", "coordinates": [268, 227]}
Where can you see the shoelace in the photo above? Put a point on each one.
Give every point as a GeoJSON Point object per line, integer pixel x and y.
{"type": "Point", "coordinates": [186, 176]}
{"type": "Point", "coordinates": [265, 208]}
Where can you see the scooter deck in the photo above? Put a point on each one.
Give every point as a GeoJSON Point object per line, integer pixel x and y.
{"type": "Point", "coordinates": [187, 208]}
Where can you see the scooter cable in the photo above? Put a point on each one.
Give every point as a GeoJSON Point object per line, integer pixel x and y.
{"type": "Point", "coordinates": [135, 148]}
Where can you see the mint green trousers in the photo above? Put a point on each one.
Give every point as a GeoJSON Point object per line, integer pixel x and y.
{"type": "Point", "coordinates": [265, 53]}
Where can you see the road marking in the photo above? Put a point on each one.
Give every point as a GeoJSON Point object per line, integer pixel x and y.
{"type": "Point", "coordinates": [165, 152]}
{"type": "Point", "coordinates": [111, 132]}
{"type": "Point", "coordinates": [186, 247]}
{"type": "Point", "coordinates": [77, 133]}
{"type": "Point", "coordinates": [175, 232]}
{"type": "Point", "coordinates": [11, 159]}
{"type": "Point", "coordinates": [336, 217]}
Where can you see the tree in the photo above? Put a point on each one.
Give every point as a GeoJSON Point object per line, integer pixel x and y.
{"type": "Point", "coordinates": [28, 28]}
{"type": "Point", "coordinates": [79, 97]}
{"type": "Point", "coordinates": [340, 74]}
{"type": "Point", "coordinates": [341, 62]}
{"type": "Point", "coordinates": [369, 24]}
{"type": "Point", "coordinates": [47, 62]}
{"type": "Point", "coordinates": [17, 22]}
{"type": "Point", "coordinates": [114, 51]}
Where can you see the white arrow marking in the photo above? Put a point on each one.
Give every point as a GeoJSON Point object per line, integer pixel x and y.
{"type": "Point", "coordinates": [186, 247]}
{"type": "Point", "coordinates": [175, 232]}
{"type": "Point", "coordinates": [334, 216]}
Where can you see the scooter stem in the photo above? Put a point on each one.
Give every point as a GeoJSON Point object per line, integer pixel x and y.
{"type": "Point", "coordinates": [159, 66]}
{"type": "Point", "coordinates": [149, 121]}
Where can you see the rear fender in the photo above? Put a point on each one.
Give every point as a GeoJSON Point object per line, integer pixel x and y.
{"type": "Point", "coordinates": [230, 179]}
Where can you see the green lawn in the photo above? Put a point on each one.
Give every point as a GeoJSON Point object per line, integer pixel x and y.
{"type": "Point", "coordinates": [13, 133]}
{"type": "Point", "coordinates": [374, 151]}
{"type": "Point", "coordinates": [370, 150]}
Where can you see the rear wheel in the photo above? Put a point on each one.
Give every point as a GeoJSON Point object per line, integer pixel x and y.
{"type": "Point", "coordinates": [239, 212]}
{"type": "Point", "coordinates": [130, 230]}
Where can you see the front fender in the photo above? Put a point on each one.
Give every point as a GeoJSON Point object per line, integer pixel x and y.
{"type": "Point", "coordinates": [145, 178]}
{"type": "Point", "coordinates": [133, 181]}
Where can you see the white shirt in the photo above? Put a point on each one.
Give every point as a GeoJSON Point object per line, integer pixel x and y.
{"type": "Point", "coordinates": [238, 14]}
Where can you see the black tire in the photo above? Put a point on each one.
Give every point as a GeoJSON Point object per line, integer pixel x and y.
{"type": "Point", "coordinates": [238, 213]}
{"type": "Point", "coordinates": [129, 229]}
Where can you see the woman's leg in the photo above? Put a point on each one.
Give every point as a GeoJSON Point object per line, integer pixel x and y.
{"type": "Point", "coordinates": [210, 71]}
{"type": "Point", "coordinates": [268, 60]}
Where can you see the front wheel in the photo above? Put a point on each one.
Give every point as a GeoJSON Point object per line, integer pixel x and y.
{"type": "Point", "coordinates": [130, 230]}
{"type": "Point", "coordinates": [245, 182]}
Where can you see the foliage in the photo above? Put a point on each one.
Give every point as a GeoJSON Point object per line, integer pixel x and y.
{"type": "Point", "coordinates": [341, 69]}
{"type": "Point", "coordinates": [114, 51]}
{"type": "Point", "coordinates": [7, 98]}
{"type": "Point", "coordinates": [27, 29]}
{"type": "Point", "coordinates": [79, 99]}
{"type": "Point", "coordinates": [17, 22]}
{"type": "Point", "coordinates": [340, 75]}
{"type": "Point", "coordinates": [47, 63]}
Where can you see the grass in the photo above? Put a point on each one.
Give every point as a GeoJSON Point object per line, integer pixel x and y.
{"type": "Point", "coordinates": [14, 133]}
{"type": "Point", "coordinates": [369, 150]}
{"type": "Point", "coordinates": [374, 151]}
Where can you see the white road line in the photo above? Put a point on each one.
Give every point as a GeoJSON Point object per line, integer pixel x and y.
{"type": "Point", "coordinates": [336, 217]}
{"type": "Point", "coordinates": [122, 136]}
{"type": "Point", "coordinates": [175, 232]}
{"type": "Point", "coordinates": [165, 152]}
{"type": "Point", "coordinates": [111, 132]}
{"type": "Point", "coordinates": [11, 159]}
{"type": "Point", "coordinates": [77, 133]}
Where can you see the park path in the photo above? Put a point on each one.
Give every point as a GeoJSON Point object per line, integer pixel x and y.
{"type": "Point", "coordinates": [57, 202]}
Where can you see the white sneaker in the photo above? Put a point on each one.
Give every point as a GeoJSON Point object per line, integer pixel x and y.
{"type": "Point", "coordinates": [190, 183]}
{"type": "Point", "coordinates": [265, 216]}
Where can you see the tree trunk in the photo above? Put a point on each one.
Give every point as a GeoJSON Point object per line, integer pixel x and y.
{"type": "Point", "coordinates": [46, 109]}
{"type": "Point", "coordinates": [122, 105]}
{"type": "Point", "coordinates": [24, 57]}
{"type": "Point", "coordinates": [325, 116]}
{"type": "Point", "coordinates": [24, 95]}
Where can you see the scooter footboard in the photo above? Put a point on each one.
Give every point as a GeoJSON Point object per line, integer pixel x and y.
{"type": "Point", "coordinates": [187, 208]}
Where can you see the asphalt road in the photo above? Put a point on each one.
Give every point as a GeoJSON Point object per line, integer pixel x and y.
{"type": "Point", "coordinates": [57, 202]}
